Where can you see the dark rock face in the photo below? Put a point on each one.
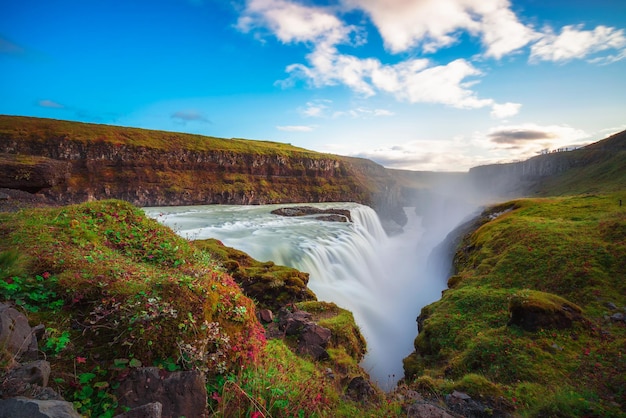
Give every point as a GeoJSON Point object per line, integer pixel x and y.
{"type": "Point", "coordinates": [179, 393]}
{"type": "Point", "coordinates": [534, 316]}
{"type": "Point", "coordinates": [360, 390]}
{"type": "Point", "coordinates": [47, 158]}
{"type": "Point", "coordinates": [333, 215]}
{"type": "Point", "coordinates": [33, 408]}
{"type": "Point", "coordinates": [20, 379]}
{"type": "Point", "coordinates": [312, 338]}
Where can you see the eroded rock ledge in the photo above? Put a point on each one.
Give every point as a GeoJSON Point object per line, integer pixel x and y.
{"type": "Point", "coordinates": [331, 215]}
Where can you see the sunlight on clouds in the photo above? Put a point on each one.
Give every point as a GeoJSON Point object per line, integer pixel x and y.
{"type": "Point", "coordinates": [501, 144]}
{"type": "Point", "coordinates": [434, 24]}
{"type": "Point", "coordinates": [573, 42]}
{"type": "Point", "coordinates": [291, 22]}
{"type": "Point", "coordinates": [515, 142]}
{"type": "Point", "coordinates": [423, 155]}
{"type": "Point", "coordinates": [505, 110]}
{"type": "Point", "coordinates": [413, 80]}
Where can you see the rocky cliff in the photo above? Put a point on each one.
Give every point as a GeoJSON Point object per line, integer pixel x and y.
{"type": "Point", "coordinates": [69, 162]}
{"type": "Point", "coordinates": [535, 174]}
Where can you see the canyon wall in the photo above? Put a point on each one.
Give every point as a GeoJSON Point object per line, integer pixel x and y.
{"type": "Point", "coordinates": [69, 162]}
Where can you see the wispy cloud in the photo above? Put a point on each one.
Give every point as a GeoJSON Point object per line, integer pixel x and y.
{"type": "Point", "coordinates": [575, 43]}
{"type": "Point", "coordinates": [50, 104]}
{"type": "Point", "coordinates": [189, 116]}
{"type": "Point", "coordinates": [360, 112]}
{"type": "Point", "coordinates": [296, 128]}
{"type": "Point", "coordinates": [315, 108]}
{"type": "Point", "coordinates": [428, 155]}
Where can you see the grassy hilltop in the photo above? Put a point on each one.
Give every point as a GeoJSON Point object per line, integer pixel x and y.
{"type": "Point", "coordinates": [532, 323]}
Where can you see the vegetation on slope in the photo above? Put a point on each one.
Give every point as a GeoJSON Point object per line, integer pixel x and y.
{"type": "Point", "coordinates": [116, 291]}
{"type": "Point", "coordinates": [531, 323]}
{"type": "Point", "coordinates": [39, 130]}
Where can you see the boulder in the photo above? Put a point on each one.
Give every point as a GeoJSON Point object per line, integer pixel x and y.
{"type": "Point", "coordinates": [426, 410]}
{"type": "Point", "coordinates": [313, 341]}
{"type": "Point", "coordinates": [266, 316]}
{"type": "Point", "coordinates": [34, 408]}
{"type": "Point", "coordinates": [463, 404]}
{"type": "Point", "coordinates": [179, 393]}
{"type": "Point", "coordinates": [150, 410]}
{"type": "Point", "coordinates": [15, 334]}
{"type": "Point", "coordinates": [533, 310]}
{"type": "Point", "coordinates": [312, 338]}
{"type": "Point", "coordinates": [34, 373]}
{"type": "Point", "coordinates": [360, 389]}
{"type": "Point", "coordinates": [293, 323]}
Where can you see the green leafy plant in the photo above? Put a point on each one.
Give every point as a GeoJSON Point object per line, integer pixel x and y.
{"type": "Point", "coordinates": [32, 293]}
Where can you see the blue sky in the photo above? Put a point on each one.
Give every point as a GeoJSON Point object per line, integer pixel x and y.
{"type": "Point", "coordinates": [415, 84]}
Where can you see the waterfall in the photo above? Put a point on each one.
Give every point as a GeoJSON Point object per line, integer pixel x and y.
{"type": "Point", "coordinates": [382, 280]}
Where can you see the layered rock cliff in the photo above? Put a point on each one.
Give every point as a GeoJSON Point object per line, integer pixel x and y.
{"type": "Point", "coordinates": [69, 162]}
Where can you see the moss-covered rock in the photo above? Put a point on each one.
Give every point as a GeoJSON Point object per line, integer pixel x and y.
{"type": "Point", "coordinates": [270, 286]}
{"type": "Point", "coordinates": [534, 310]}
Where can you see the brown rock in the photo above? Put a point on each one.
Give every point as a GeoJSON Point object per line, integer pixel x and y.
{"type": "Point", "coordinates": [426, 410]}
{"type": "Point", "coordinates": [33, 408]}
{"type": "Point", "coordinates": [151, 410]}
{"type": "Point", "coordinates": [15, 333]}
{"type": "Point", "coordinates": [266, 316]}
{"type": "Point", "coordinates": [180, 393]}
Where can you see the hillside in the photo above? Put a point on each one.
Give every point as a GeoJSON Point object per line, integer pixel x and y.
{"type": "Point", "coordinates": [69, 162]}
{"type": "Point", "coordinates": [533, 322]}
{"type": "Point", "coordinates": [597, 167]}
{"type": "Point", "coordinates": [122, 303]}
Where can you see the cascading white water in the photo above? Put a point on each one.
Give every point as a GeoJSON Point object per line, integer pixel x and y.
{"type": "Point", "coordinates": [383, 281]}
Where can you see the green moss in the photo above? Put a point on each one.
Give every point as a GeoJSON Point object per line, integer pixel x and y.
{"type": "Point", "coordinates": [559, 260]}
{"type": "Point", "coordinates": [345, 332]}
{"type": "Point", "coordinates": [271, 286]}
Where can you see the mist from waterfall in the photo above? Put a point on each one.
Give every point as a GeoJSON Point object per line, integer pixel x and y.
{"type": "Point", "coordinates": [384, 281]}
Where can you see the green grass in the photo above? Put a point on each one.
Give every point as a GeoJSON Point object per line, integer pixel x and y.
{"type": "Point", "coordinates": [541, 256]}
{"type": "Point", "coordinates": [39, 130]}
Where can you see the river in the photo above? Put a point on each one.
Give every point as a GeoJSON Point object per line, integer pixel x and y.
{"type": "Point", "coordinates": [384, 281]}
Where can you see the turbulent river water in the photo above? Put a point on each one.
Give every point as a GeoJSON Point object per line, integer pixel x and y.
{"type": "Point", "coordinates": [384, 281]}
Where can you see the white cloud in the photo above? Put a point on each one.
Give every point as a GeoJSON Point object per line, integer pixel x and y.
{"type": "Point", "coordinates": [315, 108]}
{"type": "Point", "coordinates": [292, 22]}
{"type": "Point", "coordinates": [413, 80]}
{"type": "Point", "coordinates": [363, 112]}
{"type": "Point", "coordinates": [295, 128]}
{"type": "Point", "coordinates": [575, 43]}
{"type": "Point", "coordinates": [505, 110]}
{"type": "Point", "coordinates": [434, 24]}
